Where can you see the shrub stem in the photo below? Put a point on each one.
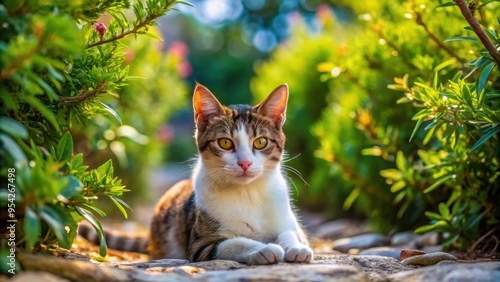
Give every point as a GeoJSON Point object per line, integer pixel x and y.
{"type": "Point", "coordinates": [471, 19]}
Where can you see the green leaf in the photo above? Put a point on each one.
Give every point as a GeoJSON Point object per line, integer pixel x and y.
{"type": "Point", "coordinates": [97, 226]}
{"type": "Point", "coordinates": [438, 182]}
{"type": "Point", "coordinates": [473, 221]}
{"type": "Point", "coordinates": [14, 150]}
{"type": "Point", "coordinates": [64, 149]}
{"type": "Point", "coordinates": [443, 65]}
{"type": "Point", "coordinates": [401, 163]}
{"type": "Point", "coordinates": [398, 186]}
{"type": "Point", "coordinates": [48, 114]}
{"type": "Point", "coordinates": [111, 111]}
{"type": "Point", "coordinates": [152, 35]}
{"type": "Point", "coordinates": [119, 206]}
{"type": "Point", "coordinates": [466, 38]}
{"type": "Point", "coordinates": [419, 122]}
{"type": "Point", "coordinates": [94, 209]}
{"type": "Point", "coordinates": [45, 86]}
{"type": "Point", "coordinates": [32, 228]}
{"type": "Point", "coordinates": [424, 229]}
{"type": "Point", "coordinates": [351, 198]}
{"type": "Point", "coordinates": [13, 128]}
{"type": "Point", "coordinates": [391, 173]}
{"type": "Point", "coordinates": [433, 215]}
{"type": "Point", "coordinates": [56, 223]}
{"type": "Point", "coordinates": [77, 161]}
{"type": "Point", "coordinates": [485, 138]}
{"type": "Point", "coordinates": [185, 3]}
{"type": "Point", "coordinates": [444, 211]}
{"type": "Point", "coordinates": [450, 240]}
{"type": "Point", "coordinates": [73, 187]}
{"type": "Point", "coordinates": [482, 79]}
{"type": "Point", "coordinates": [478, 63]}
{"type": "Point", "coordinates": [106, 168]}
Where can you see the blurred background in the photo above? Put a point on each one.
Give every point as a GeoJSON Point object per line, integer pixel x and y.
{"type": "Point", "coordinates": [344, 124]}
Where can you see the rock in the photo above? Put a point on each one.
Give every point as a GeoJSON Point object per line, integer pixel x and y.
{"type": "Point", "coordinates": [154, 263]}
{"type": "Point", "coordinates": [432, 249]}
{"type": "Point", "coordinates": [38, 276]}
{"type": "Point", "coordinates": [288, 272]}
{"type": "Point", "coordinates": [311, 220]}
{"type": "Point", "coordinates": [403, 238]}
{"type": "Point", "coordinates": [183, 269]}
{"type": "Point", "coordinates": [380, 265]}
{"type": "Point", "coordinates": [406, 253]}
{"type": "Point", "coordinates": [360, 242]}
{"type": "Point", "coordinates": [451, 272]}
{"type": "Point", "coordinates": [429, 239]}
{"type": "Point", "coordinates": [340, 229]}
{"type": "Point", "coordinates": [474, 274]}
{"type": "Point", "coordinates": [428, 259]}
{"type": "Point", "coordinates": [218, 265]}
{"type": "Point", "coordinates": [392, 252]}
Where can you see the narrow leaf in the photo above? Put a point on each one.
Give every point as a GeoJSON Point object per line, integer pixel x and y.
{"type": "Point", "coordinates": [32, 228]}
{"type": "Point", "coordinates": [47, 114]}
{"type": "Point", "coordinates": [111, 111]}
{"type": "Point", "coordinates": [56, 224]}
{"type": "Point", "coordinates": [424, 229]}
{"type": "Point", "coordinates": [419, 122]}
{"type": "Point", "coordinates": [444, 211]}
{"type": "Point", "coordinates": [97, 226]}
{"type": "Point", "coordinates": [14, 150]}
{"type": "Point", "coordinates": [185, 3]}
{"type": "Point", "coordinates": [466, 38]}
{"type": "Point", "coordinates": [433, 215]}
{"type": "Point", "coordinates": [482, 79]}
{"type": "Point", "coordinates": [13, 127]}
{"type": "Point", "coordinates": [119, 206]}
{"type": "Point", "coordinates": [438, 182]}
{"type": "Point", "coordinates": [485, 138]}
{"type": "Point", "coordinates": [152, 35]}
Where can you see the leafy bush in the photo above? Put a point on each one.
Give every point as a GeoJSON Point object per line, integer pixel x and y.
{"type": "Point", "coordinates": [58, 64]}
{"type": "Point", "coordinates": [461, 156]}
{"type": "Point", "coordinates": [363, 134]}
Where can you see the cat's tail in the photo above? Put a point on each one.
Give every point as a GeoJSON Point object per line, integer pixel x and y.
{"type": "Point", "coordinates": [115, 240]}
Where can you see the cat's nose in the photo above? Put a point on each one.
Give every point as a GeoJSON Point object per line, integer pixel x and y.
{"type": "Point", "coordinates": [244, 164]}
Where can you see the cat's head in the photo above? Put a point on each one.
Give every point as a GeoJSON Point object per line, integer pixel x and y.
{"type": "Point", "coordinates": [240, 143]}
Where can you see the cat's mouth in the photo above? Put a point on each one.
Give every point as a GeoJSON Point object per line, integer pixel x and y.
{"type": "Point", "coordinates": [247, 177]}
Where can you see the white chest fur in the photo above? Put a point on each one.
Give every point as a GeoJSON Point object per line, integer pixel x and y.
{"type": "Point", "coordinates": [259, 210]}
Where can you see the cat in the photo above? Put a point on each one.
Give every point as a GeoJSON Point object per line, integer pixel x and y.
{"type": "Point", "coordinates": [236, 206]}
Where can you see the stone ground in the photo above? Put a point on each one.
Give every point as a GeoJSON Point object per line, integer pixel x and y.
{"type": "Point", "coordinates": [345, 250]}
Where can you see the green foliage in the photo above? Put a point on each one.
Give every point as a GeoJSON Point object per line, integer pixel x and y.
{"type": "Point", "coordinates": [305, 104]}
{"type": "Point", "coordinates": [58, 68]}
{"type": "Point", "coordinates": [449, 169]}
{"type": "Point", "coordinates": [460, 160]}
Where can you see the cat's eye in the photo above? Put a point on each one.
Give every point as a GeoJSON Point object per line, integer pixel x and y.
{"type": "Point", "coordinates": [225, 143]}
{"type": "Point", "coordinates": [260, 143]}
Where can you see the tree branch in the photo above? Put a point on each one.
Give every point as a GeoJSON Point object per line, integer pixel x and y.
{"type": "Point", "coordinates": [440, 43]}
{"type": "Point", "coordinates": [85, 95]}
{"type": "Point", "coordinates": [471, 19]}
{"type": "Point", "coordinates": [120, 36]}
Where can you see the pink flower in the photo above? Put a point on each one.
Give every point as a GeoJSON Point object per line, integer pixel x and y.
{"type": "Point", "coordinates": [184, 69]}
{"type": "Point", "coordinates": [100, 28]}
{"type": "Point", "coordinates": [179, 49]}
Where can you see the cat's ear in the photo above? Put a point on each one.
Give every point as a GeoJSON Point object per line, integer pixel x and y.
{"type": "Point", "coordinates": [205, 105]}
{"type": "Point", "coordinates": [274, 106]}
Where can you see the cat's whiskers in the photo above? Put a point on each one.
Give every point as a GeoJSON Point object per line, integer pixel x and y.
{"type": "Point", "coordinates": [294, 171]}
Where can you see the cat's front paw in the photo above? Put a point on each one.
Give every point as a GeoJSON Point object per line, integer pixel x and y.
{"type": "Point", "coordinates": [301, 254]}
{"type": "Point", "coordinates": [270, 254]}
